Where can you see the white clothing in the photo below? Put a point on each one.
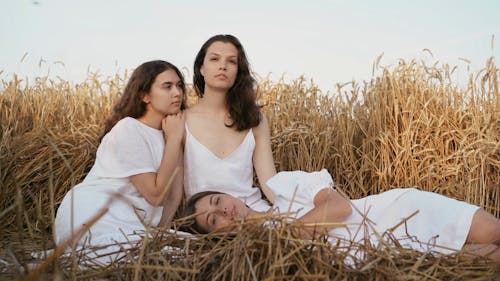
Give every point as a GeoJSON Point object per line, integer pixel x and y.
{"type": "Point", "coordinates": [295, 191]}
{"type": "Point", "coordinates": [128, 149]}
{"type": "Point", "coordinates": [204, 171]}
{"type": "Point", "coordinates": [440, 221]}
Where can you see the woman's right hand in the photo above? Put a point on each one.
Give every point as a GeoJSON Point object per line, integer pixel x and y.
{"type": "Point", "coordinates": [173, 126]}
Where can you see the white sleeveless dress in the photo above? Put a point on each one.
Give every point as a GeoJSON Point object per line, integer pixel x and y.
{"type": "Point", "coordinates": [204, 171]}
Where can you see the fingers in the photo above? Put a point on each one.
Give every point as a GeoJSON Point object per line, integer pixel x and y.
{"type": "Point", "coordinates": [173, 126]}
{"type": "Point", "coordinates": [174, 117]}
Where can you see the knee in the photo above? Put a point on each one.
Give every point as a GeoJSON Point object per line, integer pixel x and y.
{"type": "Point", "coordinates": [485, 229]}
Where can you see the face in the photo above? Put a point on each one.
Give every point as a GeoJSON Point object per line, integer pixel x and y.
{"type": "Point", "coordinates": [165, 96]}
{"type": "Point", "coordinates": [218, 212]}
{"type": "Point", "coordinates": [220, 65]}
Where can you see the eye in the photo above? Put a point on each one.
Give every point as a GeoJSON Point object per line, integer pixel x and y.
{"type": "Point", "coordinates": [233, 62]}
{"type": "Point", "coordinates": [213, 59]}
{"type": "Point", "coordinates": [214, 220]}
{"type": "Point", "coordinates": [217, 200]}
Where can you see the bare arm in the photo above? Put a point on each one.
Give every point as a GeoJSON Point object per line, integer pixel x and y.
{"type": "Point", "coordinates": [151, 185]}
{"type": "Point", "coordinates": [263, 157]}
{"type": "Point", "coordinates": [171, 202]}
{"type": "Point", "coordinates": [329, 207]}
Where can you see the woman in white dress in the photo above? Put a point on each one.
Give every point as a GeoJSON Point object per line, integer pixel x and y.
{"type": "Point", "coordinates": [420, 220]}
{"type": "Point", "coordinates": [227, 136]}
{"type": "Point", "coordinates": [140, 150]}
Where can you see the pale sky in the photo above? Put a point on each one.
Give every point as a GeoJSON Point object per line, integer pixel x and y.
{"type": "Point", "coordinates": [329, 41]}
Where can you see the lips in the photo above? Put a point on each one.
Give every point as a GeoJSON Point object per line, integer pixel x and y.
{"type": "Point", "coordinates": [221, 76]}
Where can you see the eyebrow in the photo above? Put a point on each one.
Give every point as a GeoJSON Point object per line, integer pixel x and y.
{"type": "Point", "coordinates": [219, 55]}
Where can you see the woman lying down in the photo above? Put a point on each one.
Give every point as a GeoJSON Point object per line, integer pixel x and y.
{"type": "Point", "coordinates": [420, 220]}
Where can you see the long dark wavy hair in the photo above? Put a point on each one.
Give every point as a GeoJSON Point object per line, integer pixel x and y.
{"type": "Point", "coordinates": [130, 103]}
{"type": "Point", "coordinates": [241, 97]}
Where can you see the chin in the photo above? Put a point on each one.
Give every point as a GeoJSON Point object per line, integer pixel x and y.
{"type": "Point", "coordinates": [174, 111]}
{"type": "Point", "coordinates": [245, 212]}
{"type": "Point", "coordinates": [225, 86]}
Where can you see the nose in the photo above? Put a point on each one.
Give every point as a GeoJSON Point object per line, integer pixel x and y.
{"type": "Point", "coordinates": [177, 92]}
{"type": "Point", "coordinates": [223, 66]}
{"type": "Point", "coordinates": [223, 211]}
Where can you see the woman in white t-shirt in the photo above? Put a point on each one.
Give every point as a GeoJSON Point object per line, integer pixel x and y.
{"type": "Point", "coordinates": [140, 152]}
{"type": "Point", "coordinates": [424, 221]}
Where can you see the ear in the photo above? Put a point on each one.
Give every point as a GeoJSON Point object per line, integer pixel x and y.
{"type": "Point", "coordinates": [145, 98]}
{"type": "Point", "coordinates": [202, 71]}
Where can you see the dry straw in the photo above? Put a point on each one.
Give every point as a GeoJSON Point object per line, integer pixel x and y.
{"type": "Point", "coordinates": [409, 126]}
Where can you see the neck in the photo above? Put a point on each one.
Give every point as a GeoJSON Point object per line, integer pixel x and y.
{"type": "Point", "coordinates": [152, 120]}
{"type": "Point", "coordinates": [214, 99]}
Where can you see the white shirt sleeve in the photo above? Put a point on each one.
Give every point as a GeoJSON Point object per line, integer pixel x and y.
{"type": "Point", "coordinates": [299, 185]}
{"type": "Point", "coordinates": [314, 182]}
{"type": "Point", "coordinates": [124, 152]}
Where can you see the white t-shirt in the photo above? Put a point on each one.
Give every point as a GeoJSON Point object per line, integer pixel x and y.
{"type": "Point", "coordinates": [294, 191]}
{"type": "Point", "coordinates": [129, 148]}
{"type": "Point", "coordinates": [435, 220]}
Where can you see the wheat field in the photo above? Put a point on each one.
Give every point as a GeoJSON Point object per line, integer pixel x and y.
{"type": "Point", "coordinates": [410, 125]}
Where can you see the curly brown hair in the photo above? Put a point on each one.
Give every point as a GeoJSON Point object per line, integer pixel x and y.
{"type": "Point", "coordinates": [241, 97]}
